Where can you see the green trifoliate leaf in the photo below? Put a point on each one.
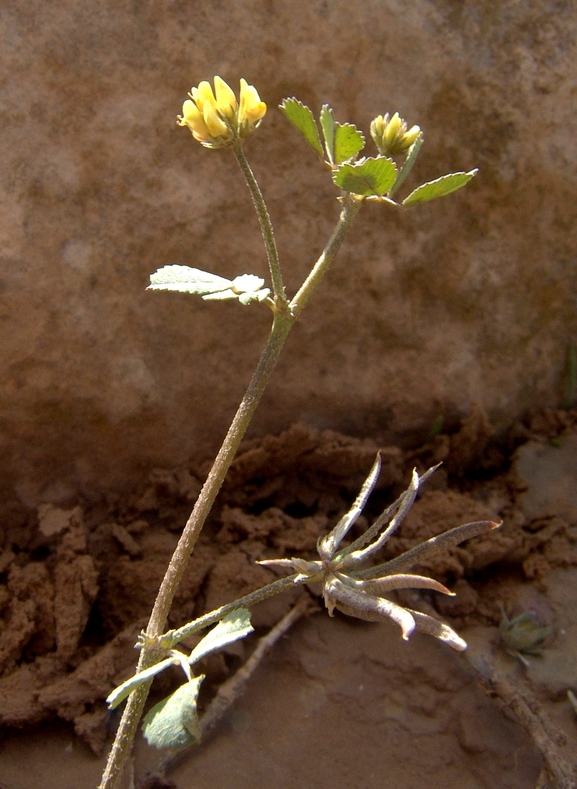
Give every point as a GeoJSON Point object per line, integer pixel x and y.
{"type": "Point", "coordinates": [367, 177]}
{"type": "Point", "coordinates": [234, 626]}
{"type": "Point", "coordinates": [439, 187]}
{"type": "Point", "coordinates": [184, 279]}
{"type": "Point", "coordinates": [173, 722]}
{"type": "Point", "coordinates": [302, 119]}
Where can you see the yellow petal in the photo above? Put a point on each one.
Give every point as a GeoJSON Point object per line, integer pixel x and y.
{"type": "Point", "coordinates": [252, 109]}
{"type": "Point", "coordinates": [225, 98]}
{"type": "Point", "coordinates": [203, 95]}
{"type": "Point", "coordinates": [192, 118]}
{"type": "Point", "coordinates": [190, 111]}
{"type": "Point", "coordinates": [215, 125]}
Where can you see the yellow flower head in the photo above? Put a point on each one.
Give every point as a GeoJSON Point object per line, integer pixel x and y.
{"type": "Point", "coordinates": [391, 136]}
{"type": "Point", "coordinates": [216, 119]}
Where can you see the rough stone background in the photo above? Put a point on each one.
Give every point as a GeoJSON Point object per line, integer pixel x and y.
{"type": "Point", "coordinates": [470, 299]}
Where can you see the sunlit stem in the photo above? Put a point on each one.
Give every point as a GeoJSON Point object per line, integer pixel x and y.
{"type": "Point", "coordinates": [172, 637]}
{"type": "Point", "coordinates": [351, 205]}
{"type": "Point", "coordinates": [265, 226]}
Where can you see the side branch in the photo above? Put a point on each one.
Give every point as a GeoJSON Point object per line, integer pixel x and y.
{"type": "Point", "coordinates": [265, 226]}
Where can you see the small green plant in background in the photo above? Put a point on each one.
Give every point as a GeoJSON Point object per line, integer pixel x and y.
{"type": "Point", "coordinates": [218, 120]}
{"type": "Point", "coordinates": [523, 634]}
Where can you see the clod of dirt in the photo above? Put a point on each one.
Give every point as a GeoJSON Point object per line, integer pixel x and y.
{"type": "Point", "coordinates": [73, 696]}
{"type": "Point", "coordinates": [468, 445]}
{"type": "Point", "coordinates": [548, 471]}
{"type": "Point", "coordinates": [436, 512]}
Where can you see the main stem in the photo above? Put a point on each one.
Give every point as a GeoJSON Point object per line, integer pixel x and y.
{"type": "Point", "coordinates": [168, 588]}
{"type": "Point", "coordinates": [151, 652]}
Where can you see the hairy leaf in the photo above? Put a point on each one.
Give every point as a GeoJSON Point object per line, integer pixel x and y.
{"type": "Point", "coordinates": [234, 626]}
{"type": "Point", "coordinates": [439, 187]}
{"type": "Point", "coordinates": [349, 141]}
{"type": "Point", "coordinates": [187, 280]}
{"type": "Point", "coordinates": [327, 119]}
{"type": "Point", "coordinates": [245, 288]}
{"type": "Point", "coordinates": [173, 722]}
{"type": "Point", "coordinates": [302, 119]}
{"type": "Point", "coordinates": [122, 691]}
{"type": "Point", "coordinates": [367, 177]}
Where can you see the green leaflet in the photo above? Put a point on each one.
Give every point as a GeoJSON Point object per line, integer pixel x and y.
{"type": "Point", "coordinates": [343, 141]}
{"type": "Point", "coordinates": [439, 187]}
{"type": "Point", "coordinates": [302, 119]}
{"type": "Point", "coordinates": [327, 119]}
{"type": "Point", "coordinates": [349, 141]}
{"type": "Point", "coordinates": [412, 154]}
{"type": "Point", "coordinates": [367, 177]}
{"type": "Point", "coordinates": [173, 722]}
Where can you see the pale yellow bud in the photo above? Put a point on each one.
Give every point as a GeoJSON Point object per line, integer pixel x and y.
{"type": "Point", "coordinates": [378, 126]}
{"type": "Point", "coordinates": [410, 136]}
{"type": "Point", "coordinates": [392, 128]}
{"type": "Point", "coordinates": [390, 135]}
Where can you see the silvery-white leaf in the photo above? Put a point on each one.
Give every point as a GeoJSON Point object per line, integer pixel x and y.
{"type": "Point", "coordinates": [234, 626]}
{"type": "Point", "coordinates": [257, 295]}
{"type": "Point", "coordinates": [222, 295]}
{"type": "Point", "coordinates": [125, 689]}
{"type": "Point", "coordinates": [431, 626]}
{"type": "Point", "coordinates": [187, 280]}
{"type": "Point", "coordinates": [247, 283]}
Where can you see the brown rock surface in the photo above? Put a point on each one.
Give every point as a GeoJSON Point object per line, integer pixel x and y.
{"type": "Point", "coordinates": [469, 299]}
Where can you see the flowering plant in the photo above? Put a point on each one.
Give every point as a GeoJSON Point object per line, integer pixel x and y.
{"type": "Point", "coordinates": [218, 120]}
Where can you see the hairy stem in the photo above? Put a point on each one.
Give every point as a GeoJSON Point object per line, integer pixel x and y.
{"type": "Point", "coordinates": [169, 586]}
{"type": "Point", "coordinates": [265, 226]}
{"type": "Point", "coordinates": [173, 637]}
{"type": "Point", "coordinates": [282, 324]}
{"type": "Point", "coordinates": [350, 208]}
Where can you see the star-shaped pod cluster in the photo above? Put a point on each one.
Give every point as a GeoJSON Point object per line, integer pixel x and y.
{"type": "Point", "coordinates": [357, 590]}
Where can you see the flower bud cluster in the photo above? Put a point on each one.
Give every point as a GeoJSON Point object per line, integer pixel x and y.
{"type": "Point", "coordinates": [215, 117]}
{"type": "Point", "coordinates": [391, 136]}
